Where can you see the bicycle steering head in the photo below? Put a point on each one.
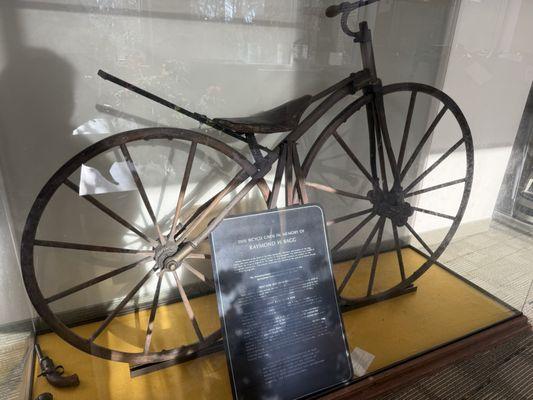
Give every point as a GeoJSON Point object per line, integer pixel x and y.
{"type": "Point", "coordinates": [345, 9]}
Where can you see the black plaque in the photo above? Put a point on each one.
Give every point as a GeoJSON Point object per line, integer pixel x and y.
{"type": "Point", "coordinates": [282, 328]}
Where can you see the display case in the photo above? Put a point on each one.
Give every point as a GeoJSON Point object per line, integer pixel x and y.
{"type": "Point", "coordinates": [131, 129]}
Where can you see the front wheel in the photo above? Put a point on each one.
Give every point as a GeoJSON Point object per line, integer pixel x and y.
{"type": "Point", "coordinates": [414, 182]}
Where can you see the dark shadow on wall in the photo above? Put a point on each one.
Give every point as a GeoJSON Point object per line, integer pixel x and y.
{"type": "Point", "coordinates": [36, 104]}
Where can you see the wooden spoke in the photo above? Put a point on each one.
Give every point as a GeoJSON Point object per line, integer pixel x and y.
{"type": "Point", "coordinates": [435, 164]}
{"type": "Point", "coordinates": [347, 217]}
{"type": "Point", "coordinates": [423, 141]}
{"type": "Point", "coordinates": [193, 216]}
{"type": "Point", "coordinates": [435, 213]}
{"type": "Point", "coordinates": [300, 180]}
{"type": "Point", "coordinates": [329, 189]}
{"type": "Point", "coordinates": [420, 240]}
{"type": "Point", "coordinates": [109, 212]}
{"type": "Point", "coordinates": [273, 198]}
{"type": "Point", "coordinates": [353, 157]}
{"type": "Point", "coordinates": [94, 281]}
{"type": "Point", "coordinates": [376, 256]}
{"type": "Point", "coordinates": [431, 188]}
{"type": "Point", "coordinates": [153, 310]}
{"type": "Point", "coordinates": [121, 305]}
{"type": "Point", "coordinates": [188, 307]}
{"type": "Point", "coordinates": [183, 188]}
{"type": "Point", "coordinates": [89, 247]}
{"type": "Point", "coordinates": [197, 273]}
{"type": "Point", "coordinates": [350, 234]}
{"type": "Point", "coordinates": [398, 250]}
{"type": "Point", "coordinates": [288, 175]}
{"type": "Point", "coordinates": [140, 188]}
{"type": "Point", "coordinates": [360, 255]}
{"type": "Point", "coordinates": [406, 129]}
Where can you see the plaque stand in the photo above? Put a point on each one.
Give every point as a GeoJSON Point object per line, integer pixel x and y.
{"type": "Point", "coordinates": [143, 369]}
{"type": "Point", "coordinates": [366, 302]}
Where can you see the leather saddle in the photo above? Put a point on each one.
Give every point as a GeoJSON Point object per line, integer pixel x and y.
{"type": "Point", "coordinates": [280, 119]}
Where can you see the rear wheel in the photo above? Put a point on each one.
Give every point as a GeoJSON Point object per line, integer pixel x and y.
{"type": "Point", "coordinates": [99, 237]}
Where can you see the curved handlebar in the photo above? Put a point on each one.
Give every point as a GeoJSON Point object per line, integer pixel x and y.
{"type": "Point", "coordinates": [333, 11]}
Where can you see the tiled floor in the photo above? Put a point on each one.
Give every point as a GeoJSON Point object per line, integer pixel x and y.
{"type": "Point", "coordinates": [13, 353]}
{"type": "Point", "coordinates": [501, 262]}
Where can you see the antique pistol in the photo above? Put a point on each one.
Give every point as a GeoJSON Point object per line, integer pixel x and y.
{"type": "Point", "coordinates": [54, 374]}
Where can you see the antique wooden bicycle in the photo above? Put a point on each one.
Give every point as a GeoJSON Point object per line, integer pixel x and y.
{"type": "Point", "coordinates": [168, 246]}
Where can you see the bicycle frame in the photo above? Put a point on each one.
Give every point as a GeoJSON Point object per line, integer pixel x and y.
{"type": "Point", "coordinates": [365, 81]}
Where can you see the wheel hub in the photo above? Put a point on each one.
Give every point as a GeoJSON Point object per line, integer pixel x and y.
{"type": "Point", "coordinates": [163, 254]}
{"type": "Point", "coordinates": [391, 204]}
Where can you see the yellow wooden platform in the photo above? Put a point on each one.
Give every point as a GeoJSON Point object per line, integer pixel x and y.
{"type": "Point", "coordinates": [443, 308]}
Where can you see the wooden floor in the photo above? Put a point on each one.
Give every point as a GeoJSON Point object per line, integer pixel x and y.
{"type": "Point", "coordinates": [443, 309]}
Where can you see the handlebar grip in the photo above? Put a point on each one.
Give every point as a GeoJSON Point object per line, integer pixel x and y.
{"type": "Point", "coordinates": [333, 11]}
{"type": "Point", "coordinates": [104, 75]}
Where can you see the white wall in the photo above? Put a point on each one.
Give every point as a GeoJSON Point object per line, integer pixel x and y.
{"type": "Point", "coordinates": [15, 304]}
{"type": "Point", "coordinates": [489, 74]}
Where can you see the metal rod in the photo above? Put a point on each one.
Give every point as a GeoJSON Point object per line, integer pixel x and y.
{"type": "Point", "coordinates": [376, 256]}
{"type": "Point", "coordinates": [347, 217]}
{"type": "Point", "coordinates": [398, 250]}
{"type": "Point", "coordinates": [236, 181]}
{"type": "Point", "coordinates": [352, 232]}
{"type": "Point", "coordinates": [406, 129]}
{"type": "Point", "coordinates": [273, 198]}
{"type": "Point", "coordinates": [358, 258]}
{"type": "Point", "coordinates": [372, 141]}
{"type": "Point", "coordinates": [153, 311]}
{"type": "Point", "coordinates": [431, 188]}
{"type": "Point", "coordinates": [381, 155]}
{"type": "Point", "coordinates": [194, 271]}
{"type": "Point", "coordinates": [197, 117]}
{"type": "Point", "coordinates": [288, 175]}
{"type": "Point", "coordinates": [329, 189]}
{"type": "Point", "coordinates": [420, 240]}
{"type": "Point", "coordinates": [354, 158]}
{"type": "Point", "coordinates": [435, 164]}
{"type": "Point", "coordinates": [380, 110]}
{"type": "Point", "coordinates": [423, 141]}
{"type": "Point", "coordinates": [121, 305]}
{"type": "Point", "coordinates": [188, 307]}
{"type": "Point", "coordinates": [200, 256]}
{"type": "Point", "coordinates": [300, 180]}
{"type": "Point", "coordinates": [435, 213]}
